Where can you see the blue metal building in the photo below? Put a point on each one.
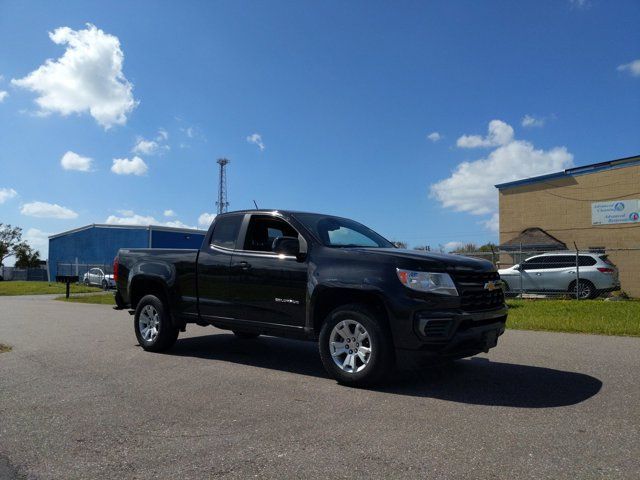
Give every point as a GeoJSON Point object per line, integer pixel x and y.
{"type": "Point", "coordinates": [98, 244]}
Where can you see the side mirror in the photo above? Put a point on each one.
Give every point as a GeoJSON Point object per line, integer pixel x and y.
{"type": "Point", "coordinates": [286, 246]}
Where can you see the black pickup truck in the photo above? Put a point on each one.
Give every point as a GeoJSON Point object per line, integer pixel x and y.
{"type": "Point", "coordinates": [315, 277]}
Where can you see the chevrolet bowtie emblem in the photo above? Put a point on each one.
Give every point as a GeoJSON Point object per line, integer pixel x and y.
{"type": "Point", "coordinates": [491, 286]}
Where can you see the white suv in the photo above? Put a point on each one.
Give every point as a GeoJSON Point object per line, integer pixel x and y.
{"type": "Point", "coordinates": [556, 272]}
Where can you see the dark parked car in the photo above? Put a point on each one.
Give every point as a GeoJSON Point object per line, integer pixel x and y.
{"type": "Point", "coordinates": [315, 277]}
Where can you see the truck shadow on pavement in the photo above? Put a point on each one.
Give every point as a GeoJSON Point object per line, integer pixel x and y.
{"type": "Point", "coordinates": [477, 381]}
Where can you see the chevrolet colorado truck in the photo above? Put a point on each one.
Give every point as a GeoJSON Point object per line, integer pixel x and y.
{"type": "Point", "coordinates": [315, 277]}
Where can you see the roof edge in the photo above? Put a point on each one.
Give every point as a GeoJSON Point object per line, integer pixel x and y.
{"type": "Point", "coordinates": [128, 227]}
{"type": "Point", "coordinates": [575, 171]}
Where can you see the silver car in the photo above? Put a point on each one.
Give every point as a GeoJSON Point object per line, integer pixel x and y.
{"type": "Point", "coordinates": [556, 272]}
{"type": "Point", "coordinates": [97, 276]}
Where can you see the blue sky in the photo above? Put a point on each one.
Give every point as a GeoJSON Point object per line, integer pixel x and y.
{"type": "Point", "coordinates": [341, 95]}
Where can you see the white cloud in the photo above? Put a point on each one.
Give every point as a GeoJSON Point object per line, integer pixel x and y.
{"type": "Point", "coordinates": [256, 139]}
{"type": "Point", "coordinates": [633, 68]}
{"type": "Point", "coordinates": [38, 240]}
{"type": "Point", "coordinates": [470, 188]}
{"type": "Point", "coordinates": [499, 133]}
{"type": "Point", "coordinates": [124, 166]}
{"type": "Point", "coordinates": [169, 213]}
{"type": "Point", "coordinates": [205, 219]}
{"type": "Point", "coordinates": [531, 121]}
{"type": "Point", "coordinates": [73, 161]}
{"type": "Point", "coordinates": [3, 94]}
{"type": "Point", "coordinates": [129, 217]}
{"type": "Point", "coordinates": [47, 210]}
{"type": "Point", "coordinates": [86, 78]}
{"type": "Point", "coordinates": [7, 194]}
{"type": "Point", "coordinates": [434, 136]}
{"type": "Point", "coordinates": [493, 224]}
{"type": "Point", "coordinates": [152, 147]}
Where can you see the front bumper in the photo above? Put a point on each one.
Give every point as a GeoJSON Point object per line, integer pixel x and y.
{"type": "Point", "coordinates": [453, 333]}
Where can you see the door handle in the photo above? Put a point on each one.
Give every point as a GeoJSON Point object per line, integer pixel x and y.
{"type": "Point", "coordinates": [538, 274]}
{"type": "Point", "coordinates": [244, 265]}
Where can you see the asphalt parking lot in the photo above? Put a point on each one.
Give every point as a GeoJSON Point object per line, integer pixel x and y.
{"type": "Point", "coordinates": [79, 399]}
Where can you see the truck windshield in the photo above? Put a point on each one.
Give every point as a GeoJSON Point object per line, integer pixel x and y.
{"type": "Point", "coordinates": [342, 232]}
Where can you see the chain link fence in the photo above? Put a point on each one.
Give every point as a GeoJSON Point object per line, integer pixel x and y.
{"type": "Point", "coordinates": [94, 274]}
{"type": "Point", "coordinates": [35, 274]}
{"type": "Point", "coordinates": [576, 274]}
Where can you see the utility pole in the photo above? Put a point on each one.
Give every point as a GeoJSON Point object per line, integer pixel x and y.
{"type": "Point", "coordinates": [222, 204]}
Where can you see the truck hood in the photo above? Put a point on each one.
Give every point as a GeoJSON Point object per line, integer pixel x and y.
{"type": "Point", "coordinates": [440, 260]}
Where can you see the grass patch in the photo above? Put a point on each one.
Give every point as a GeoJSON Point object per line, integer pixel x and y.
{"type": "Point", "coordinates": [99, 299]}
{"type": "Point", "coordinates": [4, 348]}
{"type": "Point", "coordinates": [583, 316]}
{"type": "Point", "coordinates": [41, 288]}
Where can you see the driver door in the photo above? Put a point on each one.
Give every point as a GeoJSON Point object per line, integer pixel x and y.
{"type": "Point", "coordinates": [267, 287]}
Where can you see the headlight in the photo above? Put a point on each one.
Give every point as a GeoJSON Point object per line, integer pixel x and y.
{"type": "Point", "coordinates": [427, 282]}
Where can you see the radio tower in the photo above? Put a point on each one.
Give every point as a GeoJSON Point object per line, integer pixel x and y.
{"type": "Point", "coordinates": [222, 202]}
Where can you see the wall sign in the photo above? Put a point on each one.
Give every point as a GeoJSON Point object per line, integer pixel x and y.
{"type": "Point", "coordinates": [616, 211]}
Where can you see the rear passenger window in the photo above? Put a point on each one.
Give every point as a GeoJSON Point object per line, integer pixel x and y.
{"type": "Point", "coordinates": [586, 261]}
{"type": "Point", "coordinates": [225, 231]}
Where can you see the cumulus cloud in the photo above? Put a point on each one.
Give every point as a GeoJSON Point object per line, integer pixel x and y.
{"type": "Point", "coordinates": [88, 77]}
{"type": "Point", "coordinates": [73, 161]}
{"type": "Point", "coordinates": [205, 219]}
{"type": "Point", "coordinates": [632, 68]}
{"type": "Point", "coordinates": [124, 166]}
{"type": "Point", "coordinates": [434, 136]}
{"type": "Point", "coordinates": [531, 121]}
{"type": "Point", "coordinates": [470, 188]}
{"type": "Point", "coordinates": [256, 139]}
{"type": "Point", "coordinates": [499, 133]}
{"type": "Point", "coordinates": [169, 213]}
{"type": "Point", "coordinates": [3, 94]}
{"type": "Point", "coordinates": [129, 217]}
{"type": "Point", "coordinates": [47, 210]}
{"type": "Point", "coordinates": [6, 194]}
{"type": "Point", "coordinates": [38, 240]}
{"type": "Point", "coordinates": [152, 147]}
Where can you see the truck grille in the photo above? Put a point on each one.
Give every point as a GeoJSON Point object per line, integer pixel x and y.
{"type": "Point", "coordinates": [473, 295]}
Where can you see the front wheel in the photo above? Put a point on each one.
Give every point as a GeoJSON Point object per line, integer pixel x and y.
{"type": "Point", "coordinates": [153, 326]}
{"type": "Point", "coordinates": [355, 346]}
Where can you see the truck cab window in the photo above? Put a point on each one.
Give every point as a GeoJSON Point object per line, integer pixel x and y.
{"type": "Point", "coordinates": [263, 230]}
{"type": "Point", "coordinates": [225, 231]}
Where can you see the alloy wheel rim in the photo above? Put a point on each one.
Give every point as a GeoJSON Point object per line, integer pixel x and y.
{"type": "Point", "coordinates": [584, 291]}
{"type": "Point", "coordinates": [149, 323]}
{"type": "Point", "coordinates": [350, 346]}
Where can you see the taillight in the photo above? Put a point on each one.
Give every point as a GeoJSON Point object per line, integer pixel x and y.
{"type": "Point", "coordinates": [606, 270]}
{"type": "Point", "coordinates": [115, 269]}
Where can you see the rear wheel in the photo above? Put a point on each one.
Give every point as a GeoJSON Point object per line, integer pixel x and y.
{"type": "Point", "coordinates": [105, 285]}
{"type": "Point", "coordinates": [586, 290]}
{"type": "Point", "coordinates": [245, 335]}
{"type": "Point", "coordinates": [153, 326]}
{"type": "Point", "coordinates": [355, 346]}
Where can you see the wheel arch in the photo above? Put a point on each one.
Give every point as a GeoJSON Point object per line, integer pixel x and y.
{"type": "Point", "coordinates": [328, 299]}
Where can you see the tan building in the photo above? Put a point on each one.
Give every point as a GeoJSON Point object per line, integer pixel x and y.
{"type": "Point", "coordinates": [596, 206]}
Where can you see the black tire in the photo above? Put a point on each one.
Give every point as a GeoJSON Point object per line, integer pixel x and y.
{"type": "Point", "coordinates": [167, 333]}
{"type": "Point", "coordinates": [584, 285]}
{"type": "Point", "coordinates": [245, 335]}
{"type": "Point", "coordinates": [86, 282]}
{"type": "Point", "coordinates": [381, 359]}
{"type": "Point", "coordinates": [105, 285]}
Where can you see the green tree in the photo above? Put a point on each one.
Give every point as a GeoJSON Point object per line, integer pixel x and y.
{"type": "Point", "coordinates": [10, 241]}
{"type": "Point", "coordinates": [26, 257]}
